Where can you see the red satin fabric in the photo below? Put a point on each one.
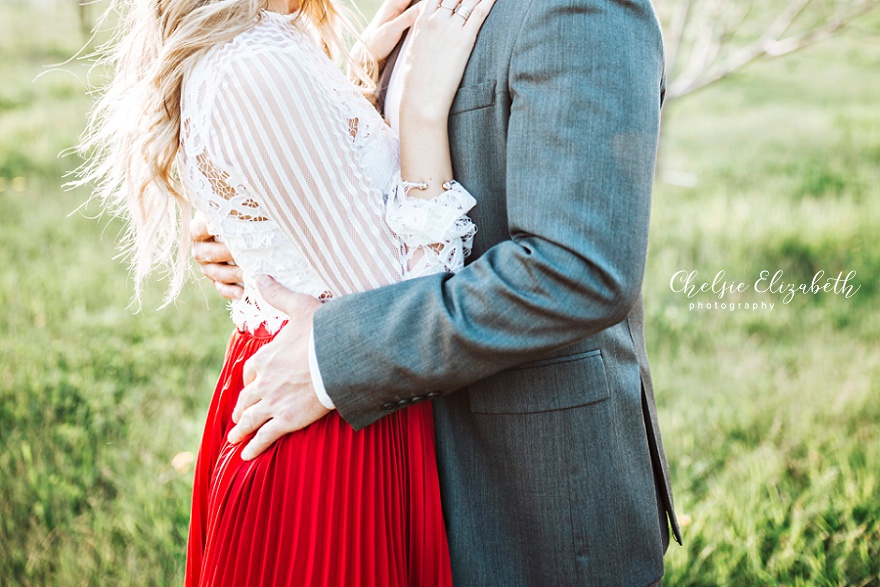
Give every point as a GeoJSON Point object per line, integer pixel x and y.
{"type": "Point", "coordinates": [323, 507]}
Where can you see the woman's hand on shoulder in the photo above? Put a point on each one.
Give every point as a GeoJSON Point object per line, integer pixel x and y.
{"type": "Point", "coordinates": [383, 33]}
{"type": "Point", "coordinates": [444, 36]}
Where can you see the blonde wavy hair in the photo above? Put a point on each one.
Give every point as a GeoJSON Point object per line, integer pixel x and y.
{"type": "Point", "coordinates": [132, 138]}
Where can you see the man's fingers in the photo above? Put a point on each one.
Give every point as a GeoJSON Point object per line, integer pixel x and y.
{"type": "Point", "coordinates": [229, 291]}
{"type": "Point", "coordinates": [251, 419]}
{"type": "Point", "coordinates": [198, 229]}
{"type": "Point", "coordinates": [222, 272]}
{"type": "Point", "coordinates": [263, 439]}
{"type": "Point", "coordinates": [249, 373]}
{"type": "Point", "coordinates": [283, 299]}
{"type": "Point", "coordinates": [274, 293]}
{"type": "Point", "coordinates": [249, 396]}
{"type": "Point", "coordinates": [211, 252]}
{"type": "Point", "coordinates": [215, 260]}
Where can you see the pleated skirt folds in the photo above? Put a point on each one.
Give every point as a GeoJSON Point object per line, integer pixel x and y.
{"type": "Point", "coordinates": [323, 507]}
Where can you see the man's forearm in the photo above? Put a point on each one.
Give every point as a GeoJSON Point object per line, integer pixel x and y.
{"type": "Point", "coordinates": [484, 320]}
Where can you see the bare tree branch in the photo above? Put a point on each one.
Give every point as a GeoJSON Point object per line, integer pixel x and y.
{"type": "Point", "coordinates": [786, 18]}
{"type": "Point", "coordinates": [705, 31]}
{"type": "Point", "coordinates": [675, 33]}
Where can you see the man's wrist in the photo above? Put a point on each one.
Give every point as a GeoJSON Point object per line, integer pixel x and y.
{"type": "Point", "coordinates": [315, 372]}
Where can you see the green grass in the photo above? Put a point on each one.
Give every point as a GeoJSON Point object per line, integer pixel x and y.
{"type": "Point", "coordinates": [769, 418]}
{"type": "Point", "coordinates": [94, 400]}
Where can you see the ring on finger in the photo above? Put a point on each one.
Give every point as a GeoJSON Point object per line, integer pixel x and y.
{"type": "Point", "coordinates": [463, 11]}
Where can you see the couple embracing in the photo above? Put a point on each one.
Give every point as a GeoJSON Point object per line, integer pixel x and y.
{"type": "Point", "coordinates": [444, 380]}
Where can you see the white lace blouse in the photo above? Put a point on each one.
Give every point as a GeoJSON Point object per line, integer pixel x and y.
{"type": "Point", "coordinates": [299, 175]}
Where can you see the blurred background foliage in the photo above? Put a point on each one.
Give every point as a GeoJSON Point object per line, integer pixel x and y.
{"type": "Point", "coordinates": [770, 418]}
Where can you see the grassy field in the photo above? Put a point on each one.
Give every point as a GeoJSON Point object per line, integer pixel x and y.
{"type": "Point", "coordinates": [770, 418]}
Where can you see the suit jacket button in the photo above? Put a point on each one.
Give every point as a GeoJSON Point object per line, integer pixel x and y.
{"type": "Point", "coordinates": [418, 398]}
{"type": "Point", "coordinates": [388, 407]}
{"type": "Point", "coordinates": [432, 394]}
{"type": "Point", "coordinates": [402, 402]}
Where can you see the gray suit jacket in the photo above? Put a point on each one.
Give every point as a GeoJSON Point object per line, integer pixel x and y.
{"type": "Point", "coordinates": [551, 462]}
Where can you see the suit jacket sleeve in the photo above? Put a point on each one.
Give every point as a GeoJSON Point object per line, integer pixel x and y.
{"type": "Point", "coordinates": [584, 85]}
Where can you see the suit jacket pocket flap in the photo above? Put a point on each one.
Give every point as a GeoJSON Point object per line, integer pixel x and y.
{"type": "Point", "coordinates": [473, 96]}
{"type": "Point", "coordinates": [542, 386]}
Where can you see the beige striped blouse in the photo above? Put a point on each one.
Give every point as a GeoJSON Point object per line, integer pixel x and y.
{"type": "Point", "coordinates": [299, 175]}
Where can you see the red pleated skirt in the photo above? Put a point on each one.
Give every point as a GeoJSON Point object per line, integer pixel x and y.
{"type": "Point", "coordinates": [323, 507]}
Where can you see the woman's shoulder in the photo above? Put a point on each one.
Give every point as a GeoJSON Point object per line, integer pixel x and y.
{"type": "Point", "coordinates": [270, 38]}
{"type": "Point", "coordinates": [266, 53]}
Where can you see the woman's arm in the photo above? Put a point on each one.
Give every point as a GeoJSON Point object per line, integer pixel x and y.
{"type": "Point", "coordinates": [284, 145]}
{"type": "Point", "coordinates": [442, 43]}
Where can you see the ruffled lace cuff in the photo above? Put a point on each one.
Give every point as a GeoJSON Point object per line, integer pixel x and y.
{"type": "Point", "coordinates": [437, 233]}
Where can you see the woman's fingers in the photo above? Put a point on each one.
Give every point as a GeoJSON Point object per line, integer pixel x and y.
{"type": "Point", "coordinates": [438, 55]}
{"type": "Point", "coordinates": [468, 14]}
{"type": "Point", "coordinates": [384, 32]}
{"type": "Point", "coordinates": [394, 28]}
{"type": "Point", "coordinates": [463, 11]}
{"type": "Point", "coordinates": [449, 4]}
{"type": "Point", "coordinates": [390, 9]}
{"type": "Point", "coordinates": [478, 14]}
{"type": "Point", "coordinates": [409, 16]}
{"type": "Point", "coordinates": [434, 5]}
{"type": "Point", "coordinates": [448, 7]}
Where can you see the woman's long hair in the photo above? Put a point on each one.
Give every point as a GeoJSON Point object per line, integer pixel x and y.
{"type": "Point", "coordinates": [132, 139]}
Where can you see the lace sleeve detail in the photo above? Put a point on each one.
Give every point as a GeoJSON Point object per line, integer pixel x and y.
{"type": "Point", "coordinates": [437, 233]}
